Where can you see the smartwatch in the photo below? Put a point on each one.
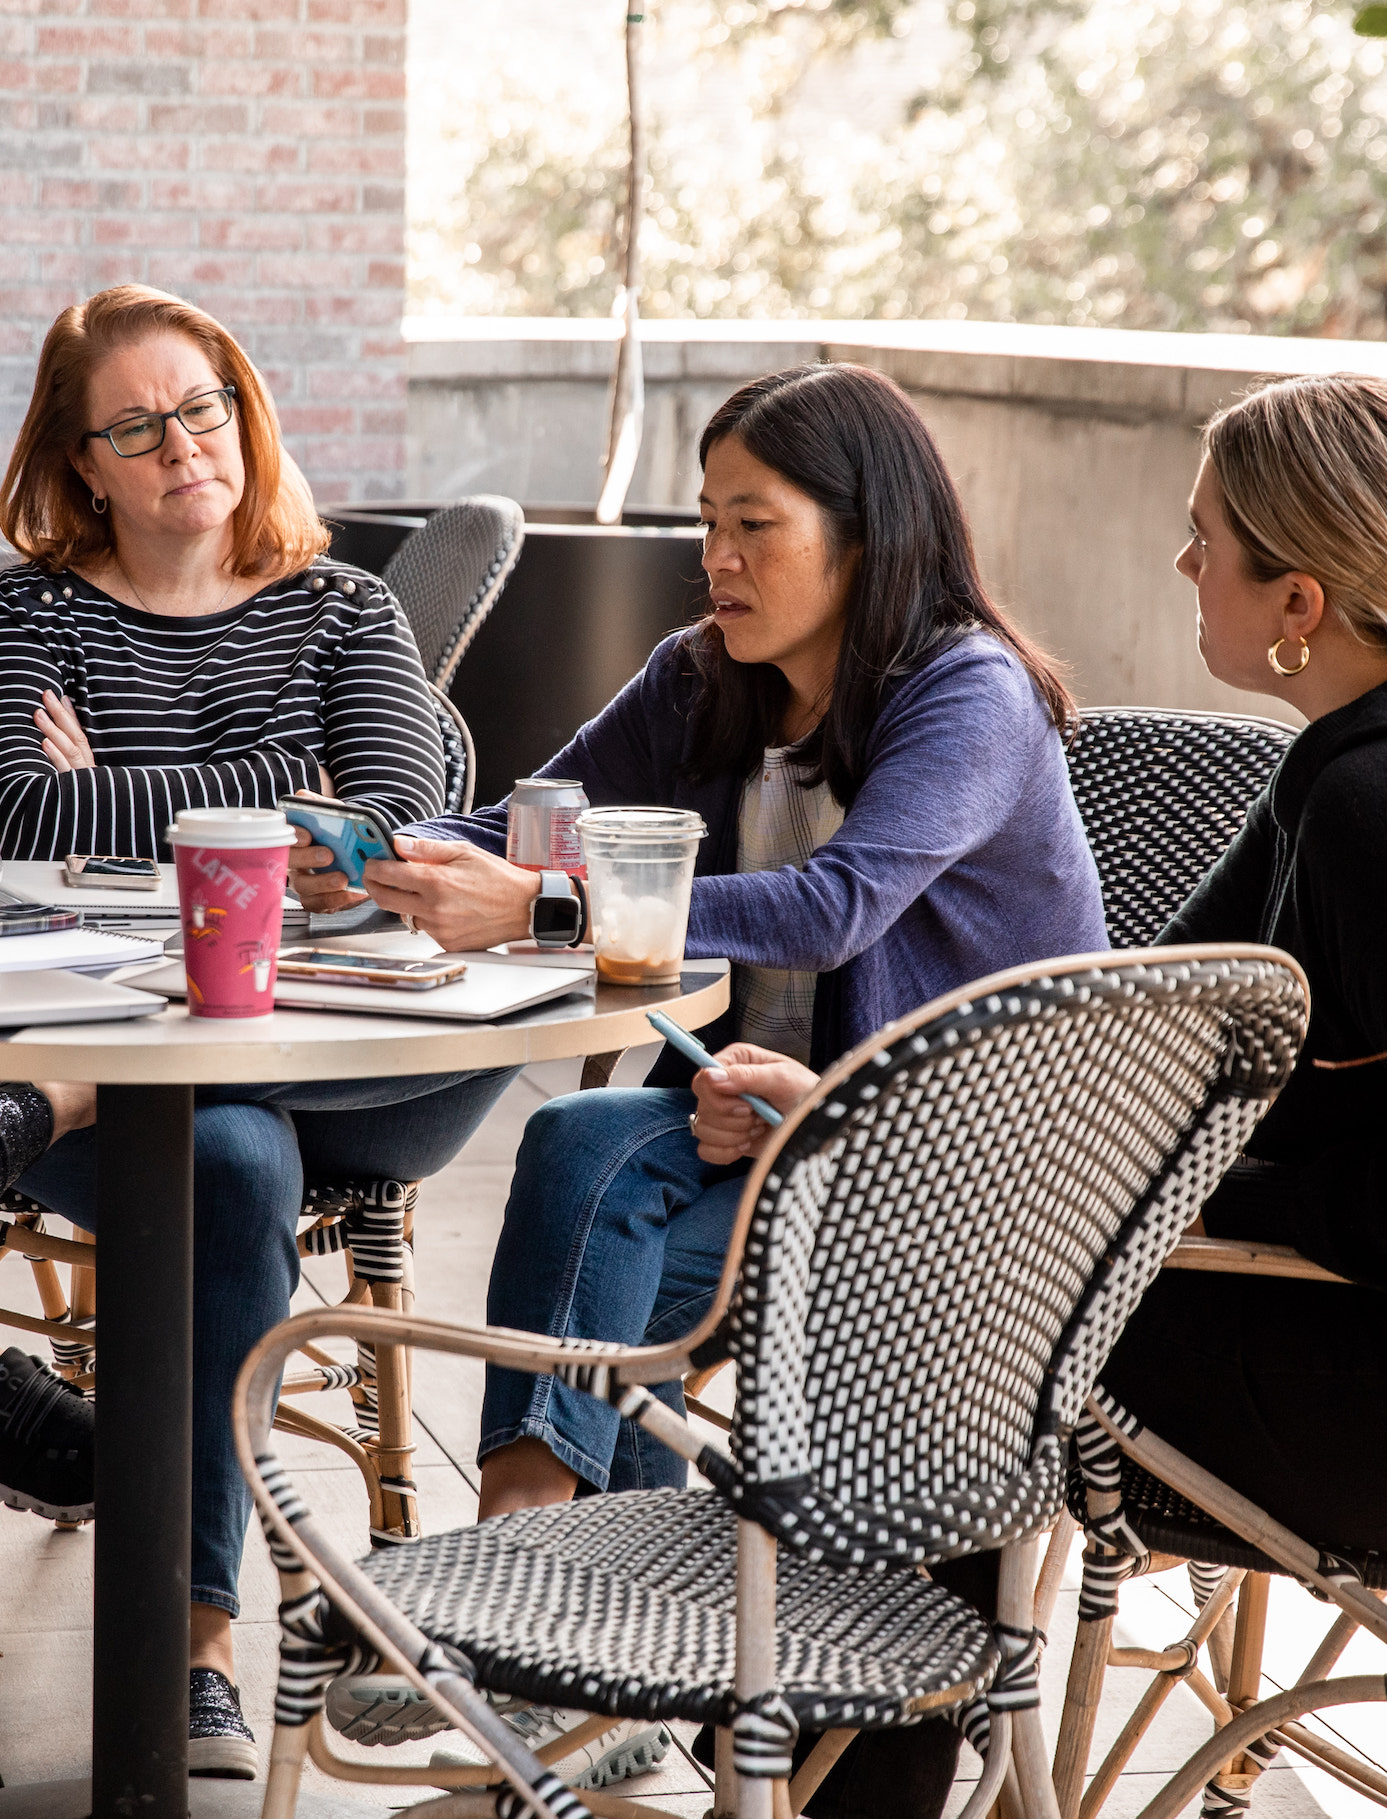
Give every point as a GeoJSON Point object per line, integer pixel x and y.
{"type": "Point", "coordinates": [556, 915]}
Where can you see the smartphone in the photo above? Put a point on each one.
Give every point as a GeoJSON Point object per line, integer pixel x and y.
{"type": "Point", "coordinates": [108, 872]}
{"type": "Point", "coordinates": [20, 918]}
{"type": "Point", "coordinates": [339, 966]}
{"type": "Point", "coordinates": [693, 1050]}
{"type": "Point", "coordinates": [352, 835]}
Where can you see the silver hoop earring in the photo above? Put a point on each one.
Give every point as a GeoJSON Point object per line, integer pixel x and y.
{"type": "Point", "coordinates": [99, 505]}
{"type": "Point", "coordinates": [1280, 667]}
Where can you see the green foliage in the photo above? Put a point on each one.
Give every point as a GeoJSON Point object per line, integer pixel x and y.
{"type": "Point", "coordinates": [1371, 22]}
{"type": "Point", "coordinates": [1173, 164]}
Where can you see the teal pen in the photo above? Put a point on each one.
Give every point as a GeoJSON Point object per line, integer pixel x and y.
{"type": "Point", "coordinates": [693, 1050]}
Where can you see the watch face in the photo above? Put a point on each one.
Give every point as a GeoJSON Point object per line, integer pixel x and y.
{"type": "Point", "coordinates": [556, 918]}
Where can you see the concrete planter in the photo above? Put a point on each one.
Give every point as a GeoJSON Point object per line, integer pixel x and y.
{"type": "Point", "coordinates": [586, 605]}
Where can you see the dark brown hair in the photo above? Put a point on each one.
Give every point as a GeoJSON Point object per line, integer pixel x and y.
{"type": "Point", "coordinates": [45, 507]}
{"type": "Point", "coordinates": [851, 439]}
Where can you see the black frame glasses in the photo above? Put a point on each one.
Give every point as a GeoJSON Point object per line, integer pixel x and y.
{"type": "Point", "coordinates": [225, 392]}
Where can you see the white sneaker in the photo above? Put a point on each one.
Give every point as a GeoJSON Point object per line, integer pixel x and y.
{"type": "Point", "coordinates": [382, 1708]}
{"type": "Point", "coordinates": [630, 1747]}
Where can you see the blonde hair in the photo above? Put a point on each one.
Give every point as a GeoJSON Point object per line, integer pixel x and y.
{"type": "Point", "coordinates": [46, 510]}
{"type": "Point", "coordinates": [1302, 466]}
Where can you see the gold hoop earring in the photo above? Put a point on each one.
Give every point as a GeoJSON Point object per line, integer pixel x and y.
{"type": "Point", "coordinates": [1277, 664]}
{"type": "Point", "coordinates": [99, 505]}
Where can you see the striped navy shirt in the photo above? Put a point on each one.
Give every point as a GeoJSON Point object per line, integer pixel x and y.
{"type": "Point", "coordinates": [236, 708]}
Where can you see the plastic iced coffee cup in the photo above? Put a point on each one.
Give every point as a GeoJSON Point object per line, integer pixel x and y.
{"type": "Point", "coordinates": [640, 864]}
{"type": "Point", "coordinates": [232, 865]}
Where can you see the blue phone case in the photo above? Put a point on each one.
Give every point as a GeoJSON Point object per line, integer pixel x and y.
{"type": "Point", "coordinates": [350, 842]}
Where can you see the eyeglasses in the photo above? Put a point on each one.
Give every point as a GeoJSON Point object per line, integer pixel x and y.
{"type": "Point", "coordinates": [142, 435]}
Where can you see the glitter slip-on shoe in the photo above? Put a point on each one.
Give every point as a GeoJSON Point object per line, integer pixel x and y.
{"type": "Point", "coordinates": [221, 1745]}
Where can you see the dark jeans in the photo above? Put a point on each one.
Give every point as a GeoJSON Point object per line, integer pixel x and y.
{"type": "Point", "coordinates": [253, 1149]}
{"type": "Point", "coordinates": [614, 1230]}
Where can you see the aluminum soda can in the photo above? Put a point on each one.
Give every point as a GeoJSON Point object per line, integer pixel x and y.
{"type": "Point", "coordinates": [540, 831]}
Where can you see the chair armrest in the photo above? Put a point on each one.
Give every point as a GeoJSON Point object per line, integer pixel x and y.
{"type": "Point", "coordinates": [594, 1361]}
{"type": "Point", "coordinates": [1245, 1257]}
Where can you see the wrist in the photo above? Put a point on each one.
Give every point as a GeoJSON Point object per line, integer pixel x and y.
{"type": "Point", "coordinates": [556, 911]}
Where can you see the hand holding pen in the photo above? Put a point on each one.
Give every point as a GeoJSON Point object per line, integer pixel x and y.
{"type": "Point", "coordinates": [733, 1121]}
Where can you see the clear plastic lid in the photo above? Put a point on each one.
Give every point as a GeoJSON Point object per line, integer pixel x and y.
{"type": "Point", "coordinates": [641, 824]}
{"type": "Point", "coordinates": [240, 827]}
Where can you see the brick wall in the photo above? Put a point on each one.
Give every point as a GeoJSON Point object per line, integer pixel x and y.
{"type": "Point", "coordinates": [246, 154]}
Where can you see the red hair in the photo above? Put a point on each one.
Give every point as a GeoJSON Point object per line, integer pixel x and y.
{"type": "Point", "coordinates": [45, 507]}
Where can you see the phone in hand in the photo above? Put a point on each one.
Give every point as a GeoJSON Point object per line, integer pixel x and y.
{"type": "Point", "coordinates": [351, 834]}
{"type": "Point", "coordinates": [342, 966]}
{"type": "Point", "coordinates": [109, 872]}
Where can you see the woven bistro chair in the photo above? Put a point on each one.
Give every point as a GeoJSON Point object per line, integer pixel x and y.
{"type": "Point", "coordinates": [1161, 795]}
{"type": "Point", "coordinates": [930, 1263]}
{"type": "Point", "coordinates": [448, 575]}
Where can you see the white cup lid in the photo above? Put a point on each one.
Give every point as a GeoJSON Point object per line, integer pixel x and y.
{"type": "Point", "coordinates": [245, 827]}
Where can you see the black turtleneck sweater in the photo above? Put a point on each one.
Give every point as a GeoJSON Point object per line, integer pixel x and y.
{"type": "Point", "coordinates": [1308, 873]}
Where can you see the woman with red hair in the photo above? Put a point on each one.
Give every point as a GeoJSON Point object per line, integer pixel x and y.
{"type": "Point", "coordinates": [176, 639]}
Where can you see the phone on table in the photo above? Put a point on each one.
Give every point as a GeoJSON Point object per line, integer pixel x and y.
{"type": "Point", "coordinates": [20, 918]}
{"type": "Point", "coordinates": [109, 872]}
{"type": "Point", "coordinates": [351, 834]}
{"type": "Point", "coordinates": [341, 966]}
{"type": "Point", "coordinates": [693, 1050]}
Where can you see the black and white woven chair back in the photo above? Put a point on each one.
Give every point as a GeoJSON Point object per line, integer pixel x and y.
{"type": "Point", "coordinates": [448, 575]}
{"type": "Point", "coordinates": [1161, 795]}
{"type": "Point", "coordinates": [945, 1250]}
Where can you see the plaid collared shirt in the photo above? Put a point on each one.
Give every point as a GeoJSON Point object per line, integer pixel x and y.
{"type": "Point", "coordinates": [780, 824]}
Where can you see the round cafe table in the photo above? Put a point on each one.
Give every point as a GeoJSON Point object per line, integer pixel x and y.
{"type": "Point", "coordinates": [145, 1072]}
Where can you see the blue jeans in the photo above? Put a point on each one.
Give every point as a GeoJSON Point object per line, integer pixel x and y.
{"type": "Point", "coordinates": [614, 1230]}
{"type": "Point", "coordinates": [253, 1149]}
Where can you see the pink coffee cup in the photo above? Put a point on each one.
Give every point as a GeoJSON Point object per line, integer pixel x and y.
{"type": "Point", "coordinates": [232, 867]}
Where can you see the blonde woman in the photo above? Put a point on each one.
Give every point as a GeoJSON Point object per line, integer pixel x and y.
{"type": "Point", "coordinates": [175, 638]}
{"type": "Point", "coordinates": [1269, 1382]}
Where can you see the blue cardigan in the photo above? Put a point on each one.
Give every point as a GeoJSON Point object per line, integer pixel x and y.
{"type": "Point", "coordinates": [963, 852]}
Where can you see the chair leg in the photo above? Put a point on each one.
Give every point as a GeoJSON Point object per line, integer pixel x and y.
{"type": "Point", "coordinates": [1016, 1610]}
{"type": "Point", "coordinates": [1047, 1586]}
{"type": "Point", "coordinates": [724, 1777]}
{"type": "Point", "coordinates": [395, 1447]}
{"type": "Point", "coordinates": [1230, 1791]}
{"type": "Point", "coordinates": [1083, 1693]}
{"type": "Point", "coordinates": [598, 1070]}
{"type": "Point", "coordinates": [760, 1735]}
{"type": "Point", "coordinates": [288, 1752]}
{"type": "Point", "coordinates": [1179, 1665]}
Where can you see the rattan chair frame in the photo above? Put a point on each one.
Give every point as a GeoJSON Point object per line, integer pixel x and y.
{"type": "Point", "coordinates": [379, 1442]}
{"type": "Point", "coordinates": [772, 1508]}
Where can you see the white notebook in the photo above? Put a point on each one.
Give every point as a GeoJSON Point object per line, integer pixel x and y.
{"type": "Point", "coordinates": [80, 950]}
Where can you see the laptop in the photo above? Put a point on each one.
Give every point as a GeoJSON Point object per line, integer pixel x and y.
{"type": "Point", "coordinates": [30, 999]}
{"type": "Point", "coordinates": [488, 990]}
{"type": "Point", "coordinates": [42, 881]}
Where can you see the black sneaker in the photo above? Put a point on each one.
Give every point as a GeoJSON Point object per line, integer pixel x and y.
{"type": "Point", "coordinates": [47, 1429]}
{"type": "Point", "coordinates": [221, 1745]}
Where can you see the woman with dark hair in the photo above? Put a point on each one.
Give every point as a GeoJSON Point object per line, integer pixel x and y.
{"type": "Point", "coordinates": [877, 754]}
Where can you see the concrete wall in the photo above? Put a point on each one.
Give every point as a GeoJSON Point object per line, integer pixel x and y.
{"type": "Point", "coordinates": [247, 154]}
{"type": "Point", "coordinates": [1075, 451]}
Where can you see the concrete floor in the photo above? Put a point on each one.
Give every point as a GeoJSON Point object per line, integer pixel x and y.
{"type": "Point", "coordinates": [45, 1576]}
